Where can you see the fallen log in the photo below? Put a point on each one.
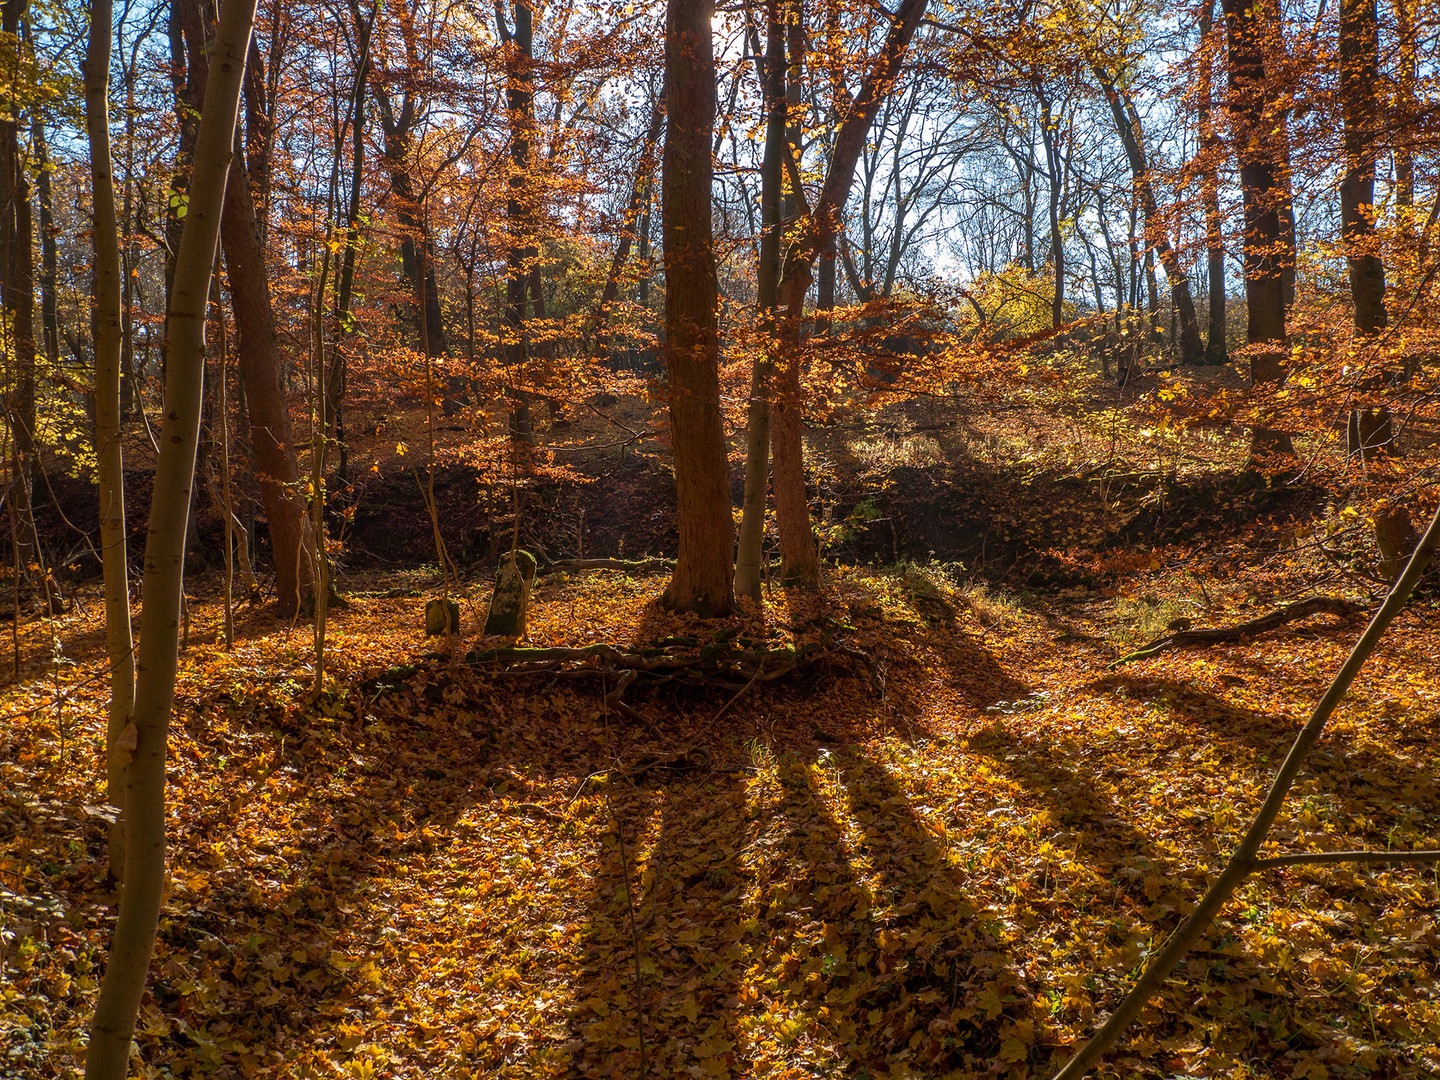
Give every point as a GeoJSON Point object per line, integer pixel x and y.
{"type": "Point", "coordinates": [1183, 636]}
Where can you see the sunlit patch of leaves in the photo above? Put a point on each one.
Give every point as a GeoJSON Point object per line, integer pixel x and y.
{"type": "Point", "coordinates": [450, 873]}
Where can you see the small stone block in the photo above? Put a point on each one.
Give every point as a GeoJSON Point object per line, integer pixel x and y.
{"type": "Point", "coordinates": [435, 617]}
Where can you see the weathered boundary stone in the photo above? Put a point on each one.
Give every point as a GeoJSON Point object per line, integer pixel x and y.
{"type": "Point", "coordinates": [511, 603]}
{"type": "Point", "coordinates": [435, 617]}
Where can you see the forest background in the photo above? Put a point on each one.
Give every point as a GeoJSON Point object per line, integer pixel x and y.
{"type": "Point", "coordinates": [871, 392]}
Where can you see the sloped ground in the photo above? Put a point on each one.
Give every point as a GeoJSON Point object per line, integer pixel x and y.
{"type": "Point", "coordinates": [437, 871]}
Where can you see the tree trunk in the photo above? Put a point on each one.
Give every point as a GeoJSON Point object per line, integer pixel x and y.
{"type": "Point", "coordinates": [1216, 348]}
{"type": "Point", "coordinates": [1263, 192]}
{"type": "Point", "coordinates": [336, 377]}
{"type": "Point", "coordinates": [1127, 124]}
{"type": "Point", "coordinates": [757, 426]}
{"type": "Point", "coordinates": [49, 316]}
{"type": "Point", "coordinates": [417, 257]}
{"type": "Point", "coordinates": [257, 347]}
{"type": "Point", "coordinates": [417, 249]}
{"type": "Point", "coordinates": [17, 273]}
{"type": "Point", "coordinates": [257, 351]}
{"type": "Point", "coordinates": [1050, 138]}
{"type": "Point", "coordinates": [1359, 76]}
{"type": "Point", "coordinates": [701, 581]}
{"type": "Point", "coordinates": [1405, 109]}
{"type": "Point", "coordinates": [634, 207]}
{"type": "Point", "coordinates": [108, 1056]}
{"type": "Point", "coordinates": [520, 244]}
{"type": "Point", "coordinates": [106, 330]}
{"type": "Point", "coordinates": [819, 229]}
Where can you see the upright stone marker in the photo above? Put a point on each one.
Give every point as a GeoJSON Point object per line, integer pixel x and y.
{"type": "Point", "coordinates": [511, 602]}
{"type": "Point", "coordinates": [435, 617]}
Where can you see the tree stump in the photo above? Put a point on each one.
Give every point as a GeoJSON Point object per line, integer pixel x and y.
{"type": "Point", "coordinates": [1369, 432]}
{"type": "Point", "coordinates": [511, 602]}
{"type": "Point", "coordinates": [1396, 538]}
{"type": "Point", "coordinates": [435, 621]}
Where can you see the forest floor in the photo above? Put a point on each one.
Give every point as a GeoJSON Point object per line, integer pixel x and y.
{"type": "Point", "coordinates": [952, 865]}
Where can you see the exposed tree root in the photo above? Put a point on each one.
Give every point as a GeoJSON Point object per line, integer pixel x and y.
{"type": "Point", "coordinates": [1330, 605]}
{"type": "Point", "coordinates": [722, 665]}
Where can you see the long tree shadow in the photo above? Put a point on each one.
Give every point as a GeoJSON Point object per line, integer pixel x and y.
{"type": "Point", "coordinates": [1258, 741]}
{"type": "Point", "coordinates": [314, 910]}
{"type": "Point", "coordinates": [661, 947]}
{"type": "Point", "coordinates": [902, 961]}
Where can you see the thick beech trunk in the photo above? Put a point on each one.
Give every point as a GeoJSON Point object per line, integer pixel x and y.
{"type": "Point", "coordinates": [1264, 191]}
{"type": "Point", "coordinates": [106, 329]}
{"type": "Point", "coordinates": [701, 581]}
{"type": "Point", "coordinates": [108, 1056]}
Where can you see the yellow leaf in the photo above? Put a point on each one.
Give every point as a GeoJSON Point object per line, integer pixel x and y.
{"type": "Point", "coordinates": [1014, 1049]}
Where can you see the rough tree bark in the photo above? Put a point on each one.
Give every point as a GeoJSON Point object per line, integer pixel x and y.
{"type": "Point", "coordinates": [108, 1057]}
{"type": "Point", "coordinates": [701, 580]}
{"type": "Point", "coordinates": [106, 329]}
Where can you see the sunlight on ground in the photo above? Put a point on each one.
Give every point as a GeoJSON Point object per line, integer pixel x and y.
{"type": "Point", "coordinates": [449, 873]}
